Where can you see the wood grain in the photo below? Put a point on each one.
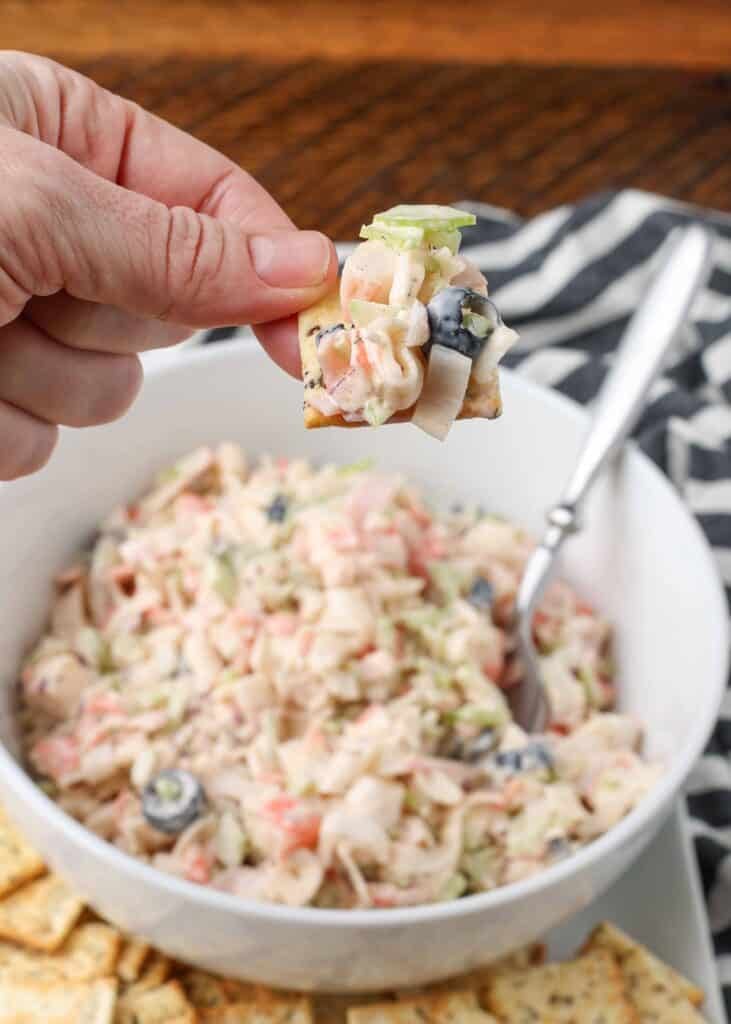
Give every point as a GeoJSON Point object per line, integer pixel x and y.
{"type": "Point", "coordinates": [335, 140]}
{"type": "Point", "coordinates": [628, 32]}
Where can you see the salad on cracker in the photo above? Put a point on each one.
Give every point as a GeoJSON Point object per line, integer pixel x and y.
{"type": "Point", "coordinates": [410, 334]}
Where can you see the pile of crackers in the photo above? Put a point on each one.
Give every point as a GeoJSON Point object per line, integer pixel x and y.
{"type": "Point", "coordinates": [60, 964]}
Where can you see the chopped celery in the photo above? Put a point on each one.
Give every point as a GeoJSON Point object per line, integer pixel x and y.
{"type": "Point", "coordinates": [429, 217]}
{"type": "Point", "coordinates": [454, 888]}
{"type": "Point", "coordinates": [375, 412]}
{"type": "Point", "coordinates": [396, 237]}
{"type": "Point", "coordinates": [592, 687]}
{"type": "Point", "coordinates": [411, 227]}
{"type": "Point", "coordinates": [385, 633]}
{"type": "Point", "coordinates": [230, 841]}
{"type": "Point", "coordinates": [361, 466]}
{"type": "Point", "coordinates": [222, 576]}
{"type": "Point", "coordinates": [478, 325]}
{"type": "Point", "coordinates": [447, 579]}
{"type": "Point", "coordinates": [482, 717]}
{"type": "Point", "coordinates": [364, 313]}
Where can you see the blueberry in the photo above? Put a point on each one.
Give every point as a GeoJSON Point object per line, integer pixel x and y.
{"type": "Point", "coordinates": [481, 594]}
{"type": "Point", "coordinates": [172, 800]}
{"type": "Point", "coordinates": [558, 847]}
{"type": "Point", "coordinates": [446, 313]}
{"type": "Point", "coordinates": [533, 757]}
{"type": "Point", "coordinates": [472, 750]}
{"type": "Point", "coordinates": [277, 511]}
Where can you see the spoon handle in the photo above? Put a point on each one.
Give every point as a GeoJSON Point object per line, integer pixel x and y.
{"type": "Point", "coordinates": [650, 334]}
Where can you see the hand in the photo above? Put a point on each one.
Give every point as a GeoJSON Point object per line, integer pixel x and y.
{"type": "Point", "coordinates": [120, 233]}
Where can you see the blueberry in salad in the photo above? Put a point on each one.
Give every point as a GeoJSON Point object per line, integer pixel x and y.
{"type": "Point", "coordinates": [172, 800]}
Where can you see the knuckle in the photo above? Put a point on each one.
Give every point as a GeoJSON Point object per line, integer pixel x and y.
{"type": "Point", "coordinates": [193, 257]}
{"type": "Point", "coordinates": [116, 390]}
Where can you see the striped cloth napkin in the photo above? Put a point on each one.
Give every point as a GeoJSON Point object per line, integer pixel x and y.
{"type": "Point", "coordinates": [568, 281]}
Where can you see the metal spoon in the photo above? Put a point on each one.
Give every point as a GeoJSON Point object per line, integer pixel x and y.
{"type": "Point", "coordinates": [647, 339]}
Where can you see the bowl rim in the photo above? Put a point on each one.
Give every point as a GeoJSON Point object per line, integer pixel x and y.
{"type": "Point", "coordinates": [15, 777]}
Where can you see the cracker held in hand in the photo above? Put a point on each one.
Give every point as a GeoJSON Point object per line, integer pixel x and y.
{"type": "Point", "coordinates": [41, 914]}
{"type": "Point", "coordinates": [19, 862]}
{"type": "Point", "coordinates": [590, 989]}
{"type": "Point", "coordinates": [409, 335]}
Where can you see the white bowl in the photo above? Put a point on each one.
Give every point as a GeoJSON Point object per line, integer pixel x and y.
{"type": "Point", "coordinates": [641, 558]}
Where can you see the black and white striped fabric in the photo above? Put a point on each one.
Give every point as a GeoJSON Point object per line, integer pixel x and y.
{"type": "Point", "coordinates": [568, 281]}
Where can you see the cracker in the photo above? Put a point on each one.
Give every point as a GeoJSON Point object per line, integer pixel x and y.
{"type": "Point", "coordinates": [333, 1009]}
{"type": "Point", "coordinates": [656, 997]}
{"type": "Point", "coordinates": [590, 989]}
{"type": "Point", "coordinates": [205, 991]}
{"type": "Point", "coordinates": [19, 862]}
{"type": "Point", "coordinates": [526, 956]}
{"type": "Point", "coordinates": [481, 400]}
{"type": "Point", "coordinates": [90, 952]}
{"type": "Point", "coordinates": [608, 936]}
{"type": "Point", "coordinates": [165, 1004]}
{"type": "Point", "coordinates": [80, 1003]}
{"type": "Point", "coordinates": [264, 1007]}
{"type": "Point", "coordinates": [156, 973]}
{"type": "Point", "coordinates": [40, 914]}
{"type": "Point", "coordinates": [435, 1008]}
{"type": "Point", "coordinates": [133, 955]}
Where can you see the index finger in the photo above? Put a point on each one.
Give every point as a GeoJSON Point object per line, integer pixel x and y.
{"type": "Point", "coordinates": [123, 143]}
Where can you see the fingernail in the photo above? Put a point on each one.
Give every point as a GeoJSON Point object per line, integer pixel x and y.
{"type": "Point", "coordinates": [291, 259]}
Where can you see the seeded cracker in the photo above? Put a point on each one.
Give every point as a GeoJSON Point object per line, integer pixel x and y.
{"type": "Point", "coordinates": [41, 914]}
{"type": "Point", "coordinates": [529, 956]}
{"type": "Point", "coordinates": [608, 936]}
{"type": "Point", "coordinates": [81, 1003]}
{"type": "Point", "coordinates": [205, 991]}
{"type": "Point", "coordinates": [590, 989]}
{"type": "Point", "coordinates": [19, 862]}
{"type": "Point", "coordinates": [657, 1000]}
{"type": "Point", "coordinates": [166, 1004]}
{"type": "Point", "coordinates": [479, 401]}
{"type": "Point", "coordinates": [438, 1008]}
{"type": "Point", "coordinates": [90, 952]}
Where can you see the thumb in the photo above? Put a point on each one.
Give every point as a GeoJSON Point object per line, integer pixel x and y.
{"type": "Point", "coordinates": [66, 228]}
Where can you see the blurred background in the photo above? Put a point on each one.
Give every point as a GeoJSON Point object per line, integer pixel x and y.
{"type": "Point", "coordinates": [342, 108]}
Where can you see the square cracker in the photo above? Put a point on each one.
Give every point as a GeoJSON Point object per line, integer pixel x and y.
{"type": "Point", "coordinates": [481, 399]}
{"type": "Point", "coordinates": [657, 998]}
{"type": "Point", "coordinates": [131, 959]}
{"type": "Point", "coordinates": [80, 1003]}
{"type": "Point", "coordinates": [205, 991]}
{"type": "Point", "coordinates": [265, 1006]}
{"type": "Point", "coordinates": [526, 956]}
{"type": "Point", "coordinates": [166, 1004]}
{"type": "Point", "coordinates": [590, 989]}
{"type": "Point", "coordinates": [90, 952]}
{"type": "Point", "coordinates": [608, 936]}
{"type": "Point", "coordinates": [19, 862]}
{"type": "Point", "coordinates": [434, 1008]}
{"type": "Point", "coordinates": [41, 914]}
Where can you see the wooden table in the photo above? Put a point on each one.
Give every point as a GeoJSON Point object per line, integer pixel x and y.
{"type": "Point", "coordinates": [343, 108]}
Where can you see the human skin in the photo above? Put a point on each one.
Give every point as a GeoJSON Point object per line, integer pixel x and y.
{"type": "Point", "coordinates": [120, 233]}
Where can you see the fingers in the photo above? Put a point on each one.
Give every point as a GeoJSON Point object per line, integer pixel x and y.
{"type": "Point", "coordinates": [61, 227]}
{"type": "Point", "coordinates": [26, 443]}
{"type": "Point", "coordinates": [87, 325]}
{"type": "Point", "coordinates": [119, 141]}
{"type": "Point", "coordinates": [52, 382]}
{"type": "Point", "coordinates": [279, 340]}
